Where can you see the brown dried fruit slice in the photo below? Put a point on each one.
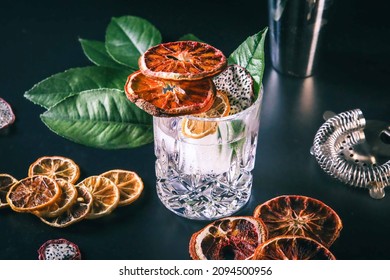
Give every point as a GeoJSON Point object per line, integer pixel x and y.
{"type": "Point", "coordinates": [56, 167]}
{"type": "Point", "coordinates": [300, 216]}
{"type": "Point", "coordinates": [7, 116]}
{"type": "Point", "coordinates": [166, 98]}
{"type": "Point", "coordinates": [198, 128]}
{"type": "Point", "coordinates": [59, 249]}
{"type": "Point", "coordinates": [67, 198]}
{"type": "Point", "coordinates": [33, 193]}
{"type": "Point", "coordinates": [6, 181]}
{"type": "Point", "coordinates": [75, 213]}
{"type": "Point", "coordinates": [292, 248]}
{"type": "Point", "coordinates": [105, 195]}
{"type": "Point", "coordinates": [129, 184]}
{"type": "Point", "coordinates": [183, 60]}
{"type": "Point", "coordinates": [228, 238]}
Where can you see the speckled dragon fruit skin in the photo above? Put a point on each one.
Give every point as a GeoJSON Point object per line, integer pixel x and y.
{"type": "Point", "coordinates": [59, 249]}
{"type": "Point", "coordinates": [237, 83]}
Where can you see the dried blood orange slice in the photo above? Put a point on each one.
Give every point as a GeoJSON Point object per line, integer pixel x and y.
{"type": "Point", "coordinates": [183, 60]}
{"type": "Point", "coordinates": [7, 116]}
{"type": "Point", "coordinates": [292, 248]}
{"type": "Point", "coordinates": [75, 213]}
{"type": "Point", "coordinates": [59, 249]}
{"type": "Point", "coordinates": [56, 167]}
{"type": "Point", "coordinates": [33, 193]}
{"type": "Point", "coordinates": [6, 181]}
{"type": "Point", "coordinates": [196, 129]}
{"type": "Point", "coordinates": [67, 198]}
{"type": "Point", "coordinates": [164, 97]}
{"type": "Point", "coordinates": [228, 238]}
{"type": "Point", "coordinates": [105, 195]}
{"type": "Point", "coordinates": [300, 216]}
{"type": "Point", "coordinates": [129, 184]}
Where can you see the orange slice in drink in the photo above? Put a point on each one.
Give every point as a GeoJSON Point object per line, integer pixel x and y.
{"type": "Point", "coordinates": [105, 195]}
{"type": "Point", "coordinates": [33, 193]}
{"type": "Point", "coordinates": [183, 60]}
{"type": "Point", "coordinates": [56, 167]}
{"type": "Point", "coordinates": [292, 248]}
{"type": "Point", "coordinates": [6, 181]}
{"type": "Point", "coordinates": [196, 129]}
{"type": "Point", "coordinates": [166, 98]}
{"type": "Point", "coordinates": [300, 216]}
{"type": "Point", "coordinates": [67, 198]}
{"type": "Point", "coordinates": [228, 238]}
{"type": "Point", "coordinates": [129, 184]}
{"type": "Point", "coordinates": [75, 213]}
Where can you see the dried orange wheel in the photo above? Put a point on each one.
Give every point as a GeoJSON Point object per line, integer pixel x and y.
{"type": "Point", "coordinates": [6, 181]}
{"type": "Point", "coordinates": [75, 213]}
{"type": "Point", "coordinates": [105, 195]}
{"type": "Point", "coordinates": [67, 198]}
{"type": "Point", "coordinates": [33, 193]}
{"type": "Point", "coordinates": [163, 97]}
{"type": "Point", "coordinates": [129, 184]}
{"type": "Point", "coordinates": [56, 167]}
{"type": "Point", "coordinates": [183, 60]}
{"type": "Point", "coordinates": [292, 248]}
{"type": "Point", "coordinates": [197, 128]}
{"type": "Point", "coordinates": [228, 238]}
{"type": "Point", "coordinates": [300, 216]}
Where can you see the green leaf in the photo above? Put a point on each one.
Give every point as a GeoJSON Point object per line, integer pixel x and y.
{"type": "Point", "coordinates": [190, 37]}
{"type": "Point", "coordinates": [250, 55]}
{"type": "Point", "coordinates": [100, 118]}
{"type": "Point", "coordinates": [128, 37]}
{"type": "Point", "coordinates": [97, 54]}
{"type": "Point", "coordinates": [54, 89]}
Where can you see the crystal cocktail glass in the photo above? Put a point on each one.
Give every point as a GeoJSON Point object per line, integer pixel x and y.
{"type": "Point", "coordinates": [209, 177]}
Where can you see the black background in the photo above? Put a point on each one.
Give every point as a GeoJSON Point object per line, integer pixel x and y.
{"type": "Point", "coordinates": [40, 38]}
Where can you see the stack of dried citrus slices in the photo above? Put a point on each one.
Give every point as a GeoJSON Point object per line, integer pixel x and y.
{"type": "Point", "coordinates": [51, 193]}
{"type": "Point", "coordinates": [289, 227]}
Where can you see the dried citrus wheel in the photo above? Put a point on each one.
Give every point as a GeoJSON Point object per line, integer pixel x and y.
{"type": "Point", "coordinates": [67, 198]}
{"type": "Point", "coordinates": [129, 184]}
{"type": "Point", "coordinates": [228, 238]}
{"type": "Point", "coordinates": [163, 97]}
{"type": "Point", "coordinates": [75, 213]}
{"type": "Point", "coordinates": [7, 116]}
{"type": "Point", "coordinates": [56, 167]}
{"type": "Point", "coordinates": [300, 216]}
{"type": "Point", "coordinates": [183, 60]}
{"type": "Point", "coordinates": [292, 248]}
{"type": "Point", "coordinates": [33, 193]}
{"type": "Point", "coordinates": [105, 195]}
{"type": "Point", "coordinates": [6, 181]}
{"type": "Point", "coordinates": [197, 128]}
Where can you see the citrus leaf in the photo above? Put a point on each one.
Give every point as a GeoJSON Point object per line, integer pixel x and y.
{"type": "Point", "coordinates": [54, 89]}
{"type": "Point", "coordinates": [97, 54]}
{"type": "Point", "coordinates": [128, 37]}
{"type": "Point", "coordinates": [101, 118]}
{"type": "Point", "coordinates": [250, 55]}
{"type": "Point", "coordinates": [189, 37]}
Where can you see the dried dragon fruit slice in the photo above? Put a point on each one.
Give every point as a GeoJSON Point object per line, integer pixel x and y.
{"type": "Point", "coordinates": [59, 249]}
{"type": "Point", "coordinates": [7, 116]}
{"type": "Point", "coordinates": [237, 83]}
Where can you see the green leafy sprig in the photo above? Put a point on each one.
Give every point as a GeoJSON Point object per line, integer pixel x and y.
{"type": "Point", "coordinates": [88, 105]}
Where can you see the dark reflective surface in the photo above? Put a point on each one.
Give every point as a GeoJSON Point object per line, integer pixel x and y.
{"type": "Point", "coordinates": [41, 39]}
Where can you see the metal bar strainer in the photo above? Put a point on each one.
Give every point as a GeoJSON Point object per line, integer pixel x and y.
{"type": "Point", "coordinates": [355, 151]}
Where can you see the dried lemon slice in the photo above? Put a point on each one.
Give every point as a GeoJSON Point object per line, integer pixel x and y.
{"type": "Point", "coordinates": [33, 193]}
{"type": "Point", "coordinates": [105, 195]}
{"type": "Point", "coordinates": [129, 184]}
{"type": "Point", "coordinates": [75, 213]}
{"type": "Point", "coordinates": [56, 167]}
{"type": "Point", "coordinates": [6, 181]}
